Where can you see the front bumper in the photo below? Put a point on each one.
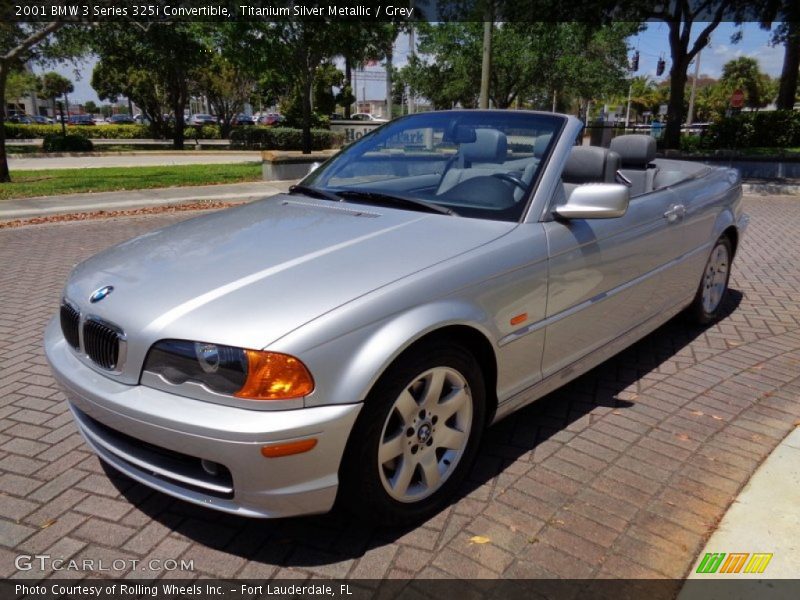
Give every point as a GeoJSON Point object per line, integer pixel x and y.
{"type": "Point", "coordinates": [742, 222]}
{"type": "Point", "coordinates": [159, 439]}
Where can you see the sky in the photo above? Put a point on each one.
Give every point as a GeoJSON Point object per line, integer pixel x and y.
{"type": "Point", "coordinates": [651, 44]}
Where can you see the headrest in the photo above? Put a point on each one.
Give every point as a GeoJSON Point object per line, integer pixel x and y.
{"type": "Point", "coordinates": [540, 144]}
{"type": "Point", "coordinates": [490, 145]}
{"type": "Point", "coordinates": [636, 150]}
{"type": "Point", "coordinates": [590, 164]}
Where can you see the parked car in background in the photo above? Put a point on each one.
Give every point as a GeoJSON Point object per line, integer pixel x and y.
{"type": "Point", "coordinates": [20, 119]}
{"type": "Point", "coordinates": [41, 120]}
{"type": "Point", "coordinates": [81, 120]}
{"type": "Point", "coordinates": [356, 336]}
{"type": "Point", "coordinates": [271, 119]}
{"type": "Point", "coordinates": [120, 120]}
{"type": "Point", "coordinates": [243, 120]}
{"type": "Point", "coordinates": [366, 117]}
{"type": "Point", "coordinates": [201, 119]}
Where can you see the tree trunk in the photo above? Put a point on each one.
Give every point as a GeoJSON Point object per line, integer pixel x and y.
{"type": "Point", "coordinates": [180, 123]}
{"type": "Point", "coordinates": [63, 119]}
{"type": "Point", "coordinates": [5, 176]}
{"type": "Point", "coordinates": [791, 63]}
{"type": "Point", "coordinates": [177, 140]}
{"type": "Point", "coordinates": [677, 88]}
{"type": "Point", "coordinates": [307, 90]}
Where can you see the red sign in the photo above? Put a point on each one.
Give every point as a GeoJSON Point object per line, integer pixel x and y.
{"type": "Point", "coordinates": [737, 99]}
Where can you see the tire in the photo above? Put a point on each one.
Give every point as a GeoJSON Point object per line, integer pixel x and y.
{"type": "Point", "coordinates": [416, 437]}
{"type": "Point", "coordinates": [707, 304]}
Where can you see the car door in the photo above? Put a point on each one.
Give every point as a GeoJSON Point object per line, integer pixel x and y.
{"type": "Point", "coordinates": [605, 276]}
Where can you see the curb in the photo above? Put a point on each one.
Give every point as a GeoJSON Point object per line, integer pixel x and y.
{"type": "Point", "coordinates": [123, 205]}
{"type": "Point", "coordinates": [45, 206]}
{"type": "Point", "coordinates": [129, 153]}
{"type": "Point", "coordinates": [767, 188]}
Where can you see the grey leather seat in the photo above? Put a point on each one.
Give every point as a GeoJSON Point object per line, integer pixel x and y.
{"type": "Point", "coordinates": [589, 164]}
{"type": "Point", "coordinates": [484, 156]}
{"type": "Point", "coordinates": [637, 153]}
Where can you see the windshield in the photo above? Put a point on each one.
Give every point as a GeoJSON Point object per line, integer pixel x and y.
{"type": "Point", "coordinates": [481, 164]}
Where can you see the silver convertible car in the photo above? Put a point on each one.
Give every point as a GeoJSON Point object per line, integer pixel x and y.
{"type": "Point", "coordinates": [351, 340]}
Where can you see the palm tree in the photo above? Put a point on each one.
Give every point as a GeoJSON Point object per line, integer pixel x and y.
{"type": "Point", "coordinates": [744, 74]}
{"type": "Point", "coordinates": [644, 95]}
{"type": "Point", "coordinates": [52, 85]}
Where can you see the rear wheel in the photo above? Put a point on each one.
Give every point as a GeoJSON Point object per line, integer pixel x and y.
{"type": "Point", "coordinates": [707, 305]}
{"type": "Point", "coordinates": [416, 436]}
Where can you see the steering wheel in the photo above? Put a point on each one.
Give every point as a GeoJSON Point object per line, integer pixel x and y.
{"type": "Point", "coordinates": [513, 179]}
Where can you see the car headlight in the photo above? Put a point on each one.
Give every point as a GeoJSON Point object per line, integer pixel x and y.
{"type": "Point", "coordinates": [238, 372]}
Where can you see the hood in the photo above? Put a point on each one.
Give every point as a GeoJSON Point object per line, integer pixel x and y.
{"type": "Point", "coordinates": [249, 275]}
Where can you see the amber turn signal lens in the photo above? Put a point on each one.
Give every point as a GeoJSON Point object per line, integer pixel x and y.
{"type": "Point", "coordinates": [288, 448]}
{"type": "Point", "coordinates": [273, 376]}
{"type": "Point", "coordinates": [519, 319]}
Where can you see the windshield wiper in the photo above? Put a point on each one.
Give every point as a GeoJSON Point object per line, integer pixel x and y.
{"type": "Point", "coordinates": [380, 197]}
{"type": "Point", "coordinates": [314, 192]}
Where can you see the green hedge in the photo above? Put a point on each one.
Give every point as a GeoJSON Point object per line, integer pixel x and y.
{"type": "Point", "coordinates": [113, 132]}
{"type": "Point", "coordinates": [16, 131]}
{"type": "Point", "coordinates": [206, 132]}
{"type": "Point", "coordinates": [55, 142]}
{"type": "Point", "coordinates": [283, 138]}
{"type": "Point", "coordinates": [764, 129]}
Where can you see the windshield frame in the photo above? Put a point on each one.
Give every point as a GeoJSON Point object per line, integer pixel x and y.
{"type": "Point", "coordinates": [319, 177]}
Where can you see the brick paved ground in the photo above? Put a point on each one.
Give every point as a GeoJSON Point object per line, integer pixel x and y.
{"type": "Point", "coordinates": [622, 474]}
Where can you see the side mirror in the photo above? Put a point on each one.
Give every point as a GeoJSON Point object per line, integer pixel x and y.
{"type": "Point", "coordinates": [595, 201]}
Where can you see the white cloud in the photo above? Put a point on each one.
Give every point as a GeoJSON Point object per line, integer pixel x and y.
{"type": "Point", "coordinates": [770, 59]}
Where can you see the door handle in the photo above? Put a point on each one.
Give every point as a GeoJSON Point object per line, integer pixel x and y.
{"type": "Point", "coordinates": [675, 212]}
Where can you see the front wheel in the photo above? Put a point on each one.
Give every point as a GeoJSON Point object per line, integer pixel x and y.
{"type": "Point", "coordinates": [416, 436]}
{"type": "Point", "coordinates": [707, 304]}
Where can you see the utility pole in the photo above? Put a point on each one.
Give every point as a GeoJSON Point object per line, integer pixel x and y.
{"type": "Point", "coordinates": [412, 50]}
{"type": "Point", "coordinates": [628, 110]}
{"type": "Point", "coordinates": [690, 113]}
{"type": "Point", "coordinates": [389, 83]}
{"type": "Point", "coordinates": [486, 65]}
{"type": "Point", "coordinates": [632, 68]}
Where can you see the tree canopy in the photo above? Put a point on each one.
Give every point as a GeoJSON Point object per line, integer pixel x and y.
{"type": "Point", "coordinates": [531, 62]}
{"type": "Point", "coordinates": [22, 43]}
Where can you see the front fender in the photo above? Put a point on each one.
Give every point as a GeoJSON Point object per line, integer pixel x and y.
{"type": "Point", "coordinates": [345, 368]}
{"type": "Point", "coordinates": [724, 220]}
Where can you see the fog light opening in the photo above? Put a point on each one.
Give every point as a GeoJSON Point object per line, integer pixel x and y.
{"type": "Point", "coordinates": [209, 467]}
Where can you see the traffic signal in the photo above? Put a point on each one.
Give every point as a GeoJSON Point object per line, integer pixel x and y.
{"type": "Point", "coordinates": [660, 65]}
{"type": "Point", "coordinates": [635, 62]}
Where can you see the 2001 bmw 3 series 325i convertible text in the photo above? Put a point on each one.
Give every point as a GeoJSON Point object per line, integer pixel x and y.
{"type": "Point", "coordinates": [354, 337]}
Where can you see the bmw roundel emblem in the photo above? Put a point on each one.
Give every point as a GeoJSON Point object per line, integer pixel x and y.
{"type": "Point", "coordinates": [101, 293]}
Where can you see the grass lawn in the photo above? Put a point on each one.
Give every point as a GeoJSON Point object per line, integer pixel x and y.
{"type": "Point", "coordinates": [25, 184]}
